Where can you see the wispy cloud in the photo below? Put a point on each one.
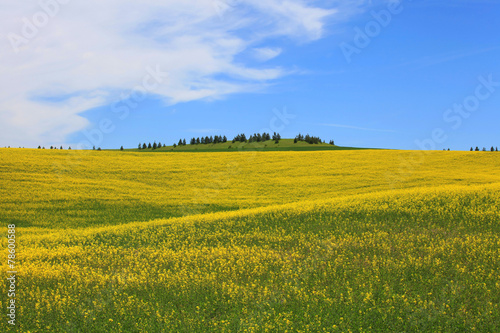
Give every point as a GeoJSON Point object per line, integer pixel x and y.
{"type": "Point", "coordinates": [264, 54]}
{"type": "Point", "coordinates": [93, 50]}
{"type": "Point", "coordinates": [359, 128]}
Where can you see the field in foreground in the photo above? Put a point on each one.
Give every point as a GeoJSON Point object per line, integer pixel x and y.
{"type": "Point", "coordinates": [254, 242]}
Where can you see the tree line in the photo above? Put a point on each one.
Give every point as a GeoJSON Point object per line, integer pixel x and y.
{"type": "Point", "coordinates": [484, 149]}
{"type": "Point", "coordinates": [256, 137]}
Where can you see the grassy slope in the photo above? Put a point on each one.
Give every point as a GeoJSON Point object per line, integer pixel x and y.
{"type": "Point", "coordinates": [424, 260]}
{"type": "Point", "coordinates": [382, 241]}
{"type": "Point", "coordinates": [270, 145]}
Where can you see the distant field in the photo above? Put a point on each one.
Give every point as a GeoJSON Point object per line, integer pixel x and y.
{"type": "Point", "coordinates": [249, 241]}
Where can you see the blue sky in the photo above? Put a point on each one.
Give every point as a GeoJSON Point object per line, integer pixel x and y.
{"type": "Point", "coordinates": [385, 74]}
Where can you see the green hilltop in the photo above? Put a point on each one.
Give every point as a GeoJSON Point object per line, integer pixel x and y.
{"type": "Point", "coordinates": [268, 145]}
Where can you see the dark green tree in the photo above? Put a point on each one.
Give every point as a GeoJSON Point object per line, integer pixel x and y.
{"type": "Point", "coordinates": [121, 148]}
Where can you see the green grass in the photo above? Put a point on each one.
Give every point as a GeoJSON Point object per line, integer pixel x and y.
{"type": "Point", "coordinates": [270, 145]}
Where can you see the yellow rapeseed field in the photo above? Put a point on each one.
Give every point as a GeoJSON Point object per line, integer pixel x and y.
{"type": "Point", "coordinates": [333, 241]}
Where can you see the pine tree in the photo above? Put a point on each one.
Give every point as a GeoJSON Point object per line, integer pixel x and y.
{"type": "Point", "coordinates": [183, 142]}
{"type": "Point", "coordinates": [193, 141]}
{"type": "Point", "coordinates": [492, 149]}
{"type": "Point", "coordinates": [121, 148]}
{"type": "Point", "coordinates": [477, 148]}
{"type": "Point", "coordinates": [144, 146]}
{"type": "Point", "coordinates": [159, 144]}
{"type": "Point", "coordinates": [224, 139]}
{"type": "Point", "coordinates": [471, 149]}
{"type": "Point", "coordinates": [150, 146]}
{"type": "Point", "coordinates": [155, 145]}
{"type": "Point", "coordinates": [39, 147]}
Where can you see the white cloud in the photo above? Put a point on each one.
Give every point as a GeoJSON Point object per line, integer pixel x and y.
{"type": "Point", "coordinates": [89, 50]}
{"type": "Point", "coordinates": [266, 53]}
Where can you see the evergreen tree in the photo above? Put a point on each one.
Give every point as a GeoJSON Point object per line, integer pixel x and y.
{"type": "Point", "coordinates": [224, 139]}
{"type": "Point", "coordinates": [477, 148]}
{"type": "Point", "coordinates": [140, 146]}
{"type": "Point", "coordinates": [150, 146]}
{"type": "Point", "coordinates": [92, 148]}
{"type": "Point", "coordinates": [193, 141]}
{"type": "Point", "coordinates": [121, 148]}
{"type": "Point", "coordinates": [39, 147]}
{"type": "Point", "coordinates": [198, 141]}
{"type": "Point", "coordinates": [99, 149]}
{"type": "Point", "coordinates": [471, 149]}
{"type": "Point", "coordinates": [295, 140]}
{"type": "Point", "coordinates": [207, 140]}
{"type": "Point", "coordinates": [492, 149]}
{"type": "Point", "coordinates": [155, 145]}
{"type": "Point", "coordinates": [180, 142]}
{"type": "Point", "coordinates": [175, 145]}
{"type": "Point", "coordinates": [69, 148]}
{"type": "Point", "coordinates": [144, 146]}
{"type": "Point", "coordinates": [62, 147]}
{"type": "Point", "coordinates": [51, 147]}
{"type": "Point", "coordinates": [496, 148]}
{"type": "Point", "coordinates": [183, 142]}
{"type": "Point", "coordinates": [159, 144]}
